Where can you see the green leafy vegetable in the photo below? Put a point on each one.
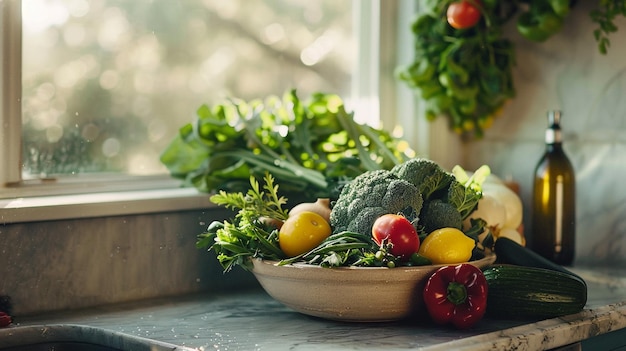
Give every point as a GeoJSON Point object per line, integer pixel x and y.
{"type": "Point", "coordinates": [465, 75]}
{"type": "Point", "coordinates": [542, 19]}
{"type": "Point", "coordinates": [311, 148]}
{"type": "Point", "coordinates": [247, 235]}
{"type": "Point", "coordinates": [466, 191]}
{"type": "Point", "coordinates": [463, 198]}
{"type": "Point", "coordinates": [604, 16]}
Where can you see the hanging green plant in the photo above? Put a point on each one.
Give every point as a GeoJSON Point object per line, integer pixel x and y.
{"type": "Point", "coordinates": [463, 63]}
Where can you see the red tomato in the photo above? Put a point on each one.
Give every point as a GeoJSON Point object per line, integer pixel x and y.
{"type": "Point", "coordinates": [463, 14]}
{"type": "Point", "coordinates": [398, 231]}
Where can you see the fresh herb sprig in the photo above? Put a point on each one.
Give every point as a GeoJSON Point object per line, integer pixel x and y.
{"type": "Point", "coordinates": [257, 202]}
{"type": "Point", "coordinates": [250, 234]}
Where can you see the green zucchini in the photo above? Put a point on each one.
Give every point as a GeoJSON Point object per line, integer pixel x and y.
{"type": "Point", "coordinates": [519, 292]}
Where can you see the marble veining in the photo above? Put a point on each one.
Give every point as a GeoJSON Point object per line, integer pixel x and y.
{"type": "Point", "coordinates": [67, 336]}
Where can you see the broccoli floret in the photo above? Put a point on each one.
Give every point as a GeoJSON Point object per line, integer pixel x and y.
{"type": "Point", "coordinates": [365, 219]}
{"type": "Point", "coordinates": [371, 195]}
{"type": "Point", "coordinates": [426, 175]}
{"type": "Point", "coordinates": [440, 187]}
{"type": "Point", "coordinates": [437, 214]}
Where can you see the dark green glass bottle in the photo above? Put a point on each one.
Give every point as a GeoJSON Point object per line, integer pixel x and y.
{"type": "Point", "coordinates": [554, 199]}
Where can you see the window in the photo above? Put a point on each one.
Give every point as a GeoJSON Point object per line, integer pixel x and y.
{"type": "Point", "coordinates": [106, 84]}
{"type": "Point", "coordinates": [94, 90]}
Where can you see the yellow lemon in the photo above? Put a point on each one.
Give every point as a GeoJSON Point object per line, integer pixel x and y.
{"type": "Point", "coordinates": [447, 246]}
{"type": "Point", "coordinates": [302, 232]}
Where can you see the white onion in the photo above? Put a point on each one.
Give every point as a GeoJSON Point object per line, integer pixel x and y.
{"type": "Point", "coordinates": [511, 201]}
{"type": "Point", "coordinates": [491, 210]}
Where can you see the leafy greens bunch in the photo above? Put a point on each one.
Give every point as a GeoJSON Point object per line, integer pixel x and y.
{"type": "Point", "coordinates": [311, 148]}
{"type": "Point", "coordinates": [462, 74]}
{"type": "Point", "coordinates": [465, 74]}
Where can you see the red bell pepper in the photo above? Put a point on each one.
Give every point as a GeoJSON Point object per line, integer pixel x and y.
{"type": "Point", "coordinates": [456, 295]}
{"type": "Point", "coordinates": [5, 319]}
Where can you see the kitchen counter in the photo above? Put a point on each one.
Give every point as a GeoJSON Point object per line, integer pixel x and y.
{"type": "Point", "coordinates": [254, 321]}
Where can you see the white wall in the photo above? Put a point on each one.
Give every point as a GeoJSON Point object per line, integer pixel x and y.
{"type": "Point", "coordinates": [567, 72]}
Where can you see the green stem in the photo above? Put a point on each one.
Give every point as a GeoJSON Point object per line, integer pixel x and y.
{"type": "Point", "coordinates": [347, 124]}
{"type": "Point", "coordinates": [280, 167]}
{"type": "Point", "coordinates": [456, 293]}
{"type": "Point", "coordinates": [380, 144]}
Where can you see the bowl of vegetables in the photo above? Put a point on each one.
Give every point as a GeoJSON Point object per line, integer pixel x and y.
{"type": "Point", "coordinates": [352, 294]}
{"type": "Point", "coordinates": [365, 256]}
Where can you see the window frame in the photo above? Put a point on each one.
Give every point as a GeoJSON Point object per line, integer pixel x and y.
{"type": "Point", "coordinates": [378, 25]}
{"type": "Point", "coordinates": [10, 91]}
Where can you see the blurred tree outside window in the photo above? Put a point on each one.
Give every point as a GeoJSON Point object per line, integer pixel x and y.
{"type": "Point", "coordinates": [107, 83]}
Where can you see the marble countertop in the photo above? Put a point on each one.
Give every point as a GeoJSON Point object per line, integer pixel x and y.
{"type": "Point", "coordinates": [254, 321]}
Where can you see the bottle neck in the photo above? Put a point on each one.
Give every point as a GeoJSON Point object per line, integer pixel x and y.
{"type": "Point", "coordinates": [553, 135]}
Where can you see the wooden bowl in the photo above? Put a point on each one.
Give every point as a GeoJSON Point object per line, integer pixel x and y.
{"type": "Point", "coordinates": [356, 294]}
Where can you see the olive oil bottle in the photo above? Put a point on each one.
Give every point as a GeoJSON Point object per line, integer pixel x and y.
{"type": "Point", "coordinates": [554, 199]}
